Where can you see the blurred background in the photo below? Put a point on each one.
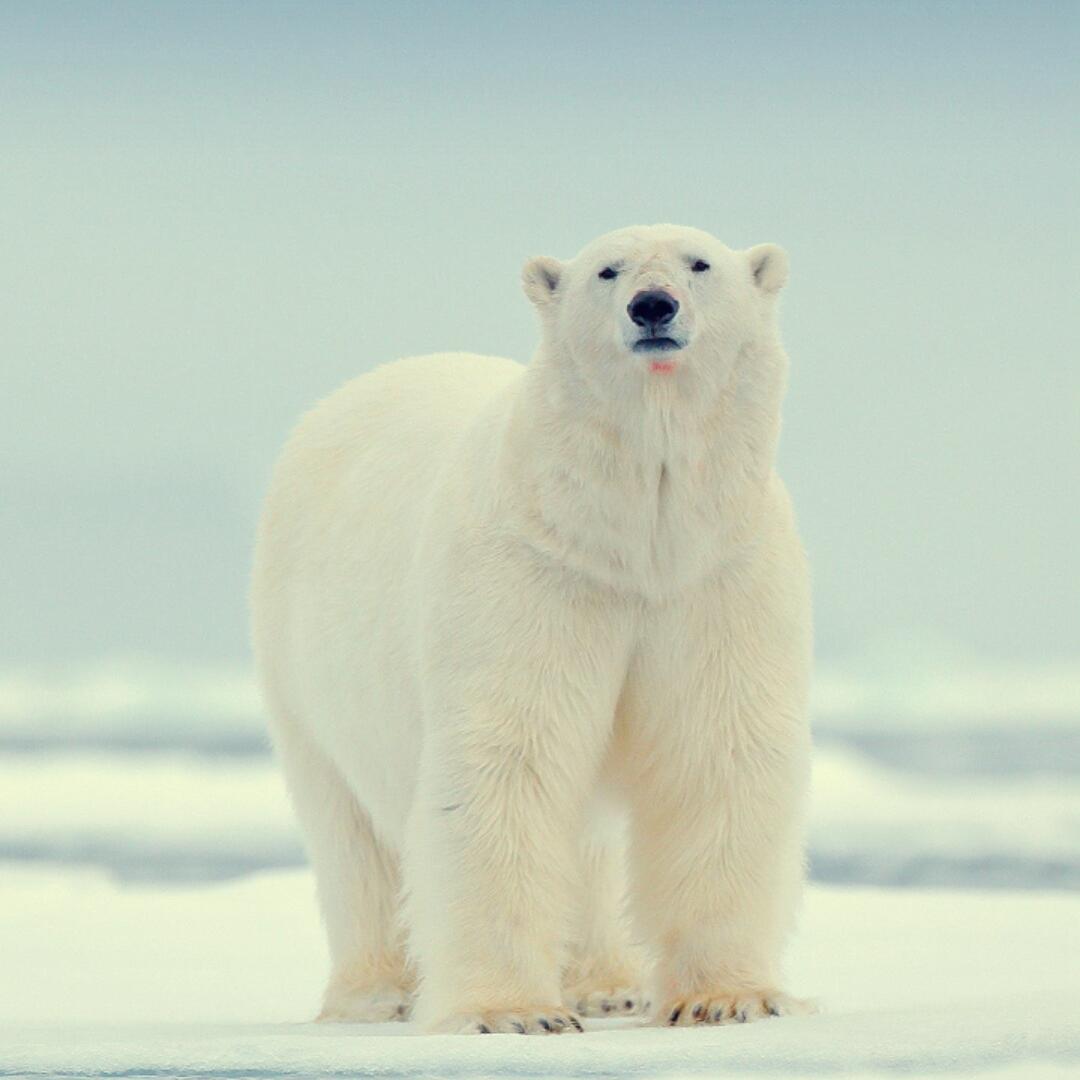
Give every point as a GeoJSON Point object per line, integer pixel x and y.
{"type": "Point", "coordinates": [213, 214]}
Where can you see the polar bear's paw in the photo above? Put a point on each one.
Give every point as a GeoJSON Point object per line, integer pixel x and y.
{"type": "Point", "coordinates": [731, 1007]}
{"type": "Point", "coordinates": [553, 1021]}
{"type": "Point", "coordinates": [371, 1004]}
{"type": "Point", "coordinates": [609, 999]}
{"type": "Point", "coordinates": [607, 985]}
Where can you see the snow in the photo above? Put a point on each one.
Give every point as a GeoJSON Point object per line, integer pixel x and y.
{"type": "Point", "coordinates": [103, 980]}
{"type": "Point", "coordinates": [147, 815]}
{"type": "Point", "coordinates": [183, 816]}
{"type": "Point", "coordinates": [156, 918]}
{"type": "Point", "coordinates": [896, 687]}
{"type": "Point", "coordinates": [876, 824]}
{"type": "Point", "coordinates": [916, 687]}
{"type": "Point", "coordinates": [132, 704]}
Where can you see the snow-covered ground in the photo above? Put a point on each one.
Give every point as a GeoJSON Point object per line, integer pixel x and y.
{"type": "Point", "coordinates": [104, 980]}
{"type": "Point", "coordinates": [156, 918]}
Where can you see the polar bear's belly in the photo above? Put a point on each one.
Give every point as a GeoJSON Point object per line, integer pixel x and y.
{"type": "Point", "coordinates": [335, 617]}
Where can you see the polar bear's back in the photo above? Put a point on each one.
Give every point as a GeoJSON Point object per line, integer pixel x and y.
{"type": "Point", "coordinates": [371, 449]}
{"type": "Point", "coordinates": [330, 592]}
{"type": "Point", "coordinates": [416, 402]}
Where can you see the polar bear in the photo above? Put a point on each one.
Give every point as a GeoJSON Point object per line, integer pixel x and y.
{"type": "Point", "coordinates": [504, 613]}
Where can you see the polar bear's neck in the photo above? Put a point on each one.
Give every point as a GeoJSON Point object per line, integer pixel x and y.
{"type": "Point", "coordinates": [648, 495]}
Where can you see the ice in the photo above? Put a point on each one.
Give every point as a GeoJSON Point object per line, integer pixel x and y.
{"type": "Point", "coordinates": [156, 918]}
{"type": "Point", "coordinates": [102, 980]}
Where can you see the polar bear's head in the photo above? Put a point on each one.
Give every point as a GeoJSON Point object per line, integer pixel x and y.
{"type": "Point", "coordinates": [656, 303]}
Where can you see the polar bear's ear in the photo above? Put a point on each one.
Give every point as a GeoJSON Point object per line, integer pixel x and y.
{"type": "Point", "coordinates": [540, 278]}
{"type": "Point", "coordinates": [769, 265]}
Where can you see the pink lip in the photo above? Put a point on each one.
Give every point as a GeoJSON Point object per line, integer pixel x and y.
{"type": "Point", "coordinates": [662, 365]}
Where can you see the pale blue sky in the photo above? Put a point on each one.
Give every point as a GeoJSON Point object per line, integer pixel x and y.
{"type": "Point", "coordinates": [212, 214]}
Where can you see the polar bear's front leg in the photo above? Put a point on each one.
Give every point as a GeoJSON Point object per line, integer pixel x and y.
{"type": "Point", "coordinates": [719, 698]}
{"type": "Point", "coordinates": [604, 974]}
{"type": "Point", "coordinates": [520, 696]}
{"type": "Point", "coordinates": [720, 886]}
{"type": "Point", "coordinates": [488, 871]}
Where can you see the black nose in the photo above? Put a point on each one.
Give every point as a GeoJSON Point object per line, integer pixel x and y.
{"type": "Point", "coordinates": [653, 309]}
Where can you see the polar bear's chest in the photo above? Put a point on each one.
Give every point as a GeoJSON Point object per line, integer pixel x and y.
{"type": "Point", "coordinates": [648, 530]}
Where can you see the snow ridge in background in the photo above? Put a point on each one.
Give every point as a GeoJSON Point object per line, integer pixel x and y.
{"type": "Point", "coordinates": [175, 817]}
{"type": "Point", "coordinates": [148, 704]}
{"type": "Point", "coordinates": [132, 704]}
{"type": "Point", "coordinates": [926, 772]}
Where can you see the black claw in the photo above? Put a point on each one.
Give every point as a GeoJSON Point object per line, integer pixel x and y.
{"type": "Point", "coordinates": [559, 1023]}
{"type": "Point", "coordinates": [773, 1010]}
{"type": "Point", "coordinates": [519, 1028]}
{"type": "Point", "coordinates": [740, 1017]}
{"type": "Point", "coordinates": [607, 1006]}
{"type": "Point", "coordinates": [628, 1004]}
{"type": "Point", "coordinates": [544, 1024]}
{"type": "Point", "coordinates": [699, 1011]}
{"type": "Point", "coordinates": [484, 1029]}
{"type": "Point", "coordinates": [675, 1014]}
{"type": "Point", "coordinates": [577, 1023]}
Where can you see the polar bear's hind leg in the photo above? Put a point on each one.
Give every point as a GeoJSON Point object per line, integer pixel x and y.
{"type": "Point", "coordinates": [359, 887]}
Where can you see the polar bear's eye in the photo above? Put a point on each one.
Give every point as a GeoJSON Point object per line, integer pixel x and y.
{"type": "Point", "coordinates": [608, 273]}
{"type": "Point", "coordinates": [700, 266]}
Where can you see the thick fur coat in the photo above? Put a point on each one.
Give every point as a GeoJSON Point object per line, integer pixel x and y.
{"type": "Point", "coordinates": [512, 622]}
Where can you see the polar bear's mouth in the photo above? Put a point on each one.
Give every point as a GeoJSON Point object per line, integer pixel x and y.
{"type": "Point", "coordinates": [656, 344]}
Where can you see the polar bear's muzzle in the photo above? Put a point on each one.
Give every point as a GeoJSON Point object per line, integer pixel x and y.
{"type": "Point", "coordinates": [653, 311]}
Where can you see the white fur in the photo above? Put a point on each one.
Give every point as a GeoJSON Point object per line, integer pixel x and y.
{"type": "Point", "coordinates": [493, 605]}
